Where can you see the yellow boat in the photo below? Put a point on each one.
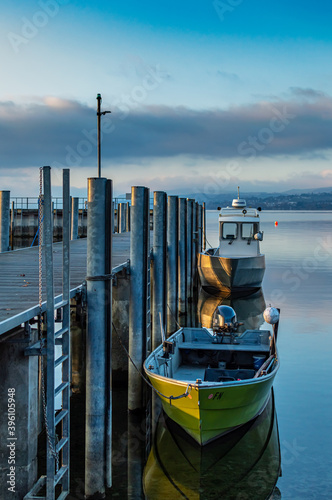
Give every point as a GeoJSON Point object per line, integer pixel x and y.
{"type": "Point", "coordinates": [211, 382]}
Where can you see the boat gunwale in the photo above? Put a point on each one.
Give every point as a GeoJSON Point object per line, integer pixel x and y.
{"type": "Point", "coordinates": [235, 257]}
{"type": "Point", "coordinates": [205, 385]}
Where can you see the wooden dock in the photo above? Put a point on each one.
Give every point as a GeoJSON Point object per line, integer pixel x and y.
{"type": "Point", "coordinates": [19, 274]}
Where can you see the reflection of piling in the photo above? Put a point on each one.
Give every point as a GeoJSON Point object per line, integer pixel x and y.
{"type": "Point", "coordinates": [172, 263]}
{"type": "Point", "coordinates": [4, 220]}
{"type": "Point", "coordinates": [182, 285]}
{"type": "Point", "coordinates": [204, 227]}
{"type": "Point", "coordinates": [139, 246]}
{"type": "Point", "coordinates": [135, 456]}
{"type": "Point", "coordinates": [74, 219]}
{"type": "Point", "coordinates": [158, 277]}
{"type": "Point", "coordinates": [97, 342]}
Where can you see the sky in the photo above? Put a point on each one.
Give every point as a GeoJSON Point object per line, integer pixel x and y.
{"type": "Point", "coordinates": [204, 95]}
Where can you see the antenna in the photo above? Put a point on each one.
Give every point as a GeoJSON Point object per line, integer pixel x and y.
{"type": "Point", "coordinates": [99, 114]}
{"type": "Point", "coordinates": [238, 192]}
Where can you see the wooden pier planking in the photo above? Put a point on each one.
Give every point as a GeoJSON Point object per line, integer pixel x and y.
{"type": "Point", "coordinates": [19, 272]}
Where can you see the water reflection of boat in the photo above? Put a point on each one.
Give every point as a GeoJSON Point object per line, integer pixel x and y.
{"type": "Point", "coordinates": [236, 265]}
{"type": "Point", "coordinates": [250, 309]}
{"type": "Point", "coordinates": [244, 464]}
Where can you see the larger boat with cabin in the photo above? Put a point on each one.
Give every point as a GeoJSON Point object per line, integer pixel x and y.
{"type": "Point", "coordinates": [236, 265]}
{"type": "Point", "coordinates": [212, 381]}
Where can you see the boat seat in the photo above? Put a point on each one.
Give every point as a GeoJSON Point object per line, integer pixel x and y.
{"type": "Point", "coordinates": [222, 375]}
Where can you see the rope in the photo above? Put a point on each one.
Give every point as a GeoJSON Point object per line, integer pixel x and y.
{"type": "Point", "coordinates": [171, 398]}
{"type": "Point", "coordinates": [174, 317]}
{"type": "Point", "coordinates": [207, 241]}
{"type": "Point", "coordinates": [41, 338]}
{"type": "Point", "coordinates": [37, 233]}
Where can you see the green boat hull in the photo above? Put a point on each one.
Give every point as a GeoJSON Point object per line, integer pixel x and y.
{"type": "Point", "coordinates": [215, 411]}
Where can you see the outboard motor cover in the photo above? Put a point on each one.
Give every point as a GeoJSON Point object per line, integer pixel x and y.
{"type": "Point", "coordinates": [224, 319]}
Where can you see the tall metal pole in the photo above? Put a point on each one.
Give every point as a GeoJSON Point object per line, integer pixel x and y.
{"type": "Point", "coordinates": [172, 263]}
{"type": "Point", "coordinates": [182, 274]}
{"type": "Point", "coordinates": [98, 133]}
{"type": "Point", "coordinates": [194, 245]}
{"type": "Point", "coordinates": [4, 220]}
{"type": "Point", "coordinates": [66, 351]}
{"type": "Point", "coordinates": [99, 113]}
{"type": "Point", "coordinates": [109, 221]}
{"type": "Point", "coordinates": [12, 225]}
{"type": "Point", "coordinates": [96, 340]}
{"type": "Point", "coordinates": [74, 219]}
{"type": "Point", "coordinates": [189, 260]}
{"type": "Point", "coordinates": [128, 217]}
{"type": "Point", "coordinates": [122, 207]}
{"type": "Point", "coordinates": [204, 227]}
{"type": "Point", "coordinates": [159, 267]}
{"type": "Point", "coordinates": [138, 291]}
{"type": "Point", "coordinates": [200, 227]}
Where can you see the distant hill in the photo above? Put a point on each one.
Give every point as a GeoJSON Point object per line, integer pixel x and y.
{"type": "Point", "coordinates": [321, 200]}
{"type": "Point", "coordinates": [293, 199]}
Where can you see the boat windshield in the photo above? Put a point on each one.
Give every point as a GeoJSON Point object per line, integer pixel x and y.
{"type": "Point", "coordinates": [248, 230]}
{"type": "Point", "coordinates": [229, 231]}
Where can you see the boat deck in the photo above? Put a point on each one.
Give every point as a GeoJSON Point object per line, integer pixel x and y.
{"type": "Point", "coordinates": [189, 373]}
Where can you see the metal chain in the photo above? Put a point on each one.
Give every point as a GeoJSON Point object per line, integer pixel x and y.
{"type": "Point", "coordinates": [41, 338]}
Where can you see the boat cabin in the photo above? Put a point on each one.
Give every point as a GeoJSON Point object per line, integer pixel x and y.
{"type": "Point", "coordinates": [239, 231]}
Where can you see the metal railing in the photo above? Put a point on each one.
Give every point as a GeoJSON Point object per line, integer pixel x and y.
{"type": "Point", "coordinates": [31, 203]}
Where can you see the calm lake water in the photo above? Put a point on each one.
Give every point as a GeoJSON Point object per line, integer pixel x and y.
{"type": "Point", "coordinates": [164, 465]}
{"type": "Point", "coordinates": [298, 280]}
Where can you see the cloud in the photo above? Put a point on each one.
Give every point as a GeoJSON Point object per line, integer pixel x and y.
{"type": "Point", "coordinates": [326, 173]}
{"type": "Point", "coordinates": [232, 77]}
{"type": "Point", "coordinates": [309, 93]}
{"type": "Point", "coordinates": [64, 131]}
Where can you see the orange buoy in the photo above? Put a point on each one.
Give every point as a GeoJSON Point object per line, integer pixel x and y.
{"type": "Point", "coordinates": [276, 223]}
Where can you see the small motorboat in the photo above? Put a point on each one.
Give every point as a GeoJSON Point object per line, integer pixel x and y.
{"type": "Point", "coordinates": [212, 381]}
{"type": "Point", "coordinates": [236, 265]}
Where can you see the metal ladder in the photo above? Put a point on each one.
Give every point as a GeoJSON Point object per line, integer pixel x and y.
{"type": "Point", "coordinates": [56, 483]}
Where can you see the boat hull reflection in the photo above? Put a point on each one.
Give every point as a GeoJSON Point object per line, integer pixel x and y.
{"type": "Point", "coordinates": [249, 310]}
{"type": "Point", "coordinates": [243, 464]}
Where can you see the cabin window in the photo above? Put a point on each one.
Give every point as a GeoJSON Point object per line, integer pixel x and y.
{"type": "Point", "coordinates": [229, 231]}
{"type": "Point", "coordinates": [248, 230]}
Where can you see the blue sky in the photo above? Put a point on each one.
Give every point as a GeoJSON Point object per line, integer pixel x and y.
{"type": "Point", "coordinates": [204, 95]}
